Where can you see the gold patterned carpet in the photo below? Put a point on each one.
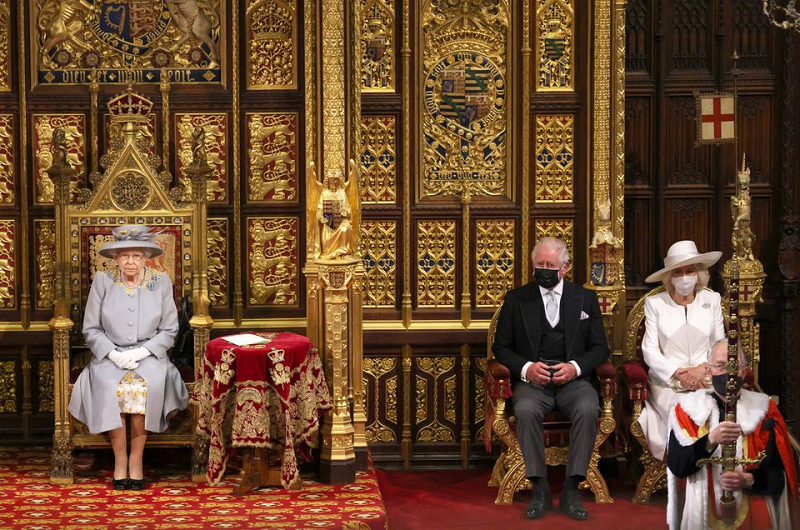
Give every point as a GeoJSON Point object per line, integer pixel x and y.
{"type": "Point", "coordinates": [171, 501]}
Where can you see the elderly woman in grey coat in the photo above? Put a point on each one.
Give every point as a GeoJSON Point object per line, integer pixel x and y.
{"type": "Point", "coordinates": [129, 323]}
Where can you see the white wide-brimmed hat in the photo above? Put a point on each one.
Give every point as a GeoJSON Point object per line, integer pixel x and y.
{"type": "Point", "coordinates": [681, 254]}
{"type": "Point", "coordinates": [131, 236]}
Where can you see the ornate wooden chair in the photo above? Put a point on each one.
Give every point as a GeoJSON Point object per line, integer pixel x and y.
{"type": "Point", "coordinates": [634, 394]}
{"type": "Point", "coordinates": [634, 382]}
{"type": "Point", "coordinates": [508, 474]}
{"type": "Point", "coordinates": [130, 191]}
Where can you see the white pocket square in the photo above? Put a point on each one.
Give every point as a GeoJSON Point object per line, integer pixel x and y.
{"type": "Point", "coordinates": [584, 316]}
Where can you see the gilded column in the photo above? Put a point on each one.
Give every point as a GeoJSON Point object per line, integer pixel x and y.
{"type": "Point", "coordinates": [405, 441]}
{"type": "Point", "coordinates": [465, 405]}
{"type": "Point", "coordinates": [61, 173]}
{"type": "Point", "coordinates": [525, 199]}
{"type": "Point", "coordinates": [238, 301]}
{"type": "Point", "coordinates": [406, 55]}
{"type": "Point", "coordinates": [201, 322]}
{"type": "Point", "coordinates": [338, 460]}
{"type": "Point", "coordinates": [606, 251]}
{"type": "Point", "coordinates": [25, 299]}
{"type": "Point", "coordinates": [466, 302]}
{"type": "Point", "coordinates": [357, 369]}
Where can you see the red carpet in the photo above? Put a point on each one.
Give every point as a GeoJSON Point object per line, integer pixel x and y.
{"type": "Point", "coordinates": [461, 499]}
{"type": "Point", "coordinates": [28, 500]}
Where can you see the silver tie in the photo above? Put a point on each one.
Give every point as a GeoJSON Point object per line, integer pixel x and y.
{"type": "Point", "coordinates": [551, 307]}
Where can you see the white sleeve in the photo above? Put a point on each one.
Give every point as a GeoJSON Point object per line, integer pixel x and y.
{"type": "Point", "coordinates": [659, 366]}
{"type": "Point", "coordinates": [525, 371]}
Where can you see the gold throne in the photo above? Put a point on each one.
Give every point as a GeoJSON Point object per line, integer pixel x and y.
{"type": "Point", "coordinates": [508, 474]}
{"type": "Point", "coordinates": [129, 191]}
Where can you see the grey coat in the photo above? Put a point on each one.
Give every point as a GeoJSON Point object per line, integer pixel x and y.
{"type": "Point", "coordinates": [123, 318]}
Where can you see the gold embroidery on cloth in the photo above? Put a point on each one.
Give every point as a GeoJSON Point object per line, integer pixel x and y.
{"type": "Point", "coordinates": [223, 371]}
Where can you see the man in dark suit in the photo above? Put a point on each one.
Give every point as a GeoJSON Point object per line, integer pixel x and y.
{"type": "Point", "coordinates": [550, 336]}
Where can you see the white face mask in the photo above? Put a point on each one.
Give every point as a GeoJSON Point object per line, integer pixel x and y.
{"type": "Point", "coordinates": [684, 284]}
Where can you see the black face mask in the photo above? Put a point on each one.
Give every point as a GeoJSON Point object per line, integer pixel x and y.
{"type": "Point", "coordinates": [547, 278]}
{"type": "Point", "coordinates": [719, 382]}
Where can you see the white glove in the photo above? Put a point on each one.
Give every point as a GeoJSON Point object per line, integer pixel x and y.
{"type": "Point", "coordinates": [123, 360]}
{"type": "Point", "coordinates": [139, 353]}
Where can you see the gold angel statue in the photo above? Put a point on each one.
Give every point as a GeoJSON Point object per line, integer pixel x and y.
{"type": "Point", "coordinates": [333, 213]}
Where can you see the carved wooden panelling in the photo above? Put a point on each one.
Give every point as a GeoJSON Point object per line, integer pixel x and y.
{"type": "Point", "coordinates": [216, 142]}
{"type": "Point", "coordinates": [380, 382]}
{"type": "Point", "coordinates": [464, 91]}
{"type": "Point", "coordinates": [435, 413]}
{"type": "Point", "coordinates": [271, 157]}
{"type": "Point", "coordinates": [378, 63]}
{"type": "Point", "coordinates": [75, 131]}
{"type": "Point", "coordinates": [638, 141]}
{"type": "Point", "coordinates": [751, 31]}
{"type": "Point", "coordinates": [6, 24]}
{"type": "Point", "coordinates": [555, 44]}
{"type": "Point", "coordinates": [379, 253]}
{"type": "Point", "coordinates": [639, 251]}
{"type": "Point", "coordinates": [271, 44]}
{"type": "Point", "coordinates": [563, 229]}
{"type": "Point", "coordinates": [757, 130]}
{"type": "Point", "coordinates": [272, 261]}
{"type": "Point", "coordinates": [636, 31]}
{"type": "Point", "coordinates": [218, 262]}
{"type": "Point", "coordinates": [690, 35]}
{"type": "Point", "coordinates": [378, 159]}
{"type": "Point", "coordinates": [46, 386]}
{"type": "Point", "coordinates": [7, 185]}
{"type": "Point", "coordinates": [8, 264]}
{"type": "Point", "coordinates": [436, 263]}
{"type": "Point", "coordinates": [494, 260]}
{"type": "Point", "coordinates": [555, 147]}
{"type": "Point", "coordinates": [127, 41]}
{"type": "Point", "coordinates": [44, 231]}
{"type": "Point", "coordinates": [687, 218]}
{"type": "Point", "coordinates": [687, 165]}
{"type": "Point", "coordinates": [8, 386]}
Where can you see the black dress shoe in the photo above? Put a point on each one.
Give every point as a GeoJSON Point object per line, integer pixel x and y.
{"type": "Point", "coordinates": [541, 503]}
{"type": "Point", "coordinates": [136, 484]}
{"type": "Point", "coordinates": [571, 505]}
{"type": "Point", "coordinates": [119, 484]}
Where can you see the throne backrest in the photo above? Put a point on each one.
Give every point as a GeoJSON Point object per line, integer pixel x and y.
{"type": "Point", "coordinates": [492, 331]}
{"type": "Point", "coordinates": [131, 190]}
{"type": "Point", "coordinates": [635, 328]}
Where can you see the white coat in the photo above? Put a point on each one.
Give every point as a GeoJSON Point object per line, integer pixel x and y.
{"type": "Point", "coordinates": [675, 336]}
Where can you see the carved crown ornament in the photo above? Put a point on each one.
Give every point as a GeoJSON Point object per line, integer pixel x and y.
{"type": "Point", "coordinates": [131, 180]}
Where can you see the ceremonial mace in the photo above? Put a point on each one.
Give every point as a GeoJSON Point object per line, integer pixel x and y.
{"type": "Point", "coordinates": [728, 460]}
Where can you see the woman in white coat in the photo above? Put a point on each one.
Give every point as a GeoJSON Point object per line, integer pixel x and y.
{"type": "Point", "coordinates": [129, 324]}
{"type": "Point", "coordinates": [681, 325]}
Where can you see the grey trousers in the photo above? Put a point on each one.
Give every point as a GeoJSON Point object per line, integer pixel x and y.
{"type": "Point", "coordinates": [578, 400]}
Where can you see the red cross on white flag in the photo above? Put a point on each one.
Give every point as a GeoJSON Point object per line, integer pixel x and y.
{"type": "Point", "coordinates": [715, 118]}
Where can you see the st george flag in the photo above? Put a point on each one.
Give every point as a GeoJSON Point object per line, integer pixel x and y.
{"type": "Point", "coordinates": [715, 118]}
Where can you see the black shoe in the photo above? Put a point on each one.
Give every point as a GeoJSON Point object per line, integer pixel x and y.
{"type": "Point", "coordinates": [541, 503]}
{"type": "Point", "coordinates": [119, 484]}
{"type": "Point", "coordinates": [570, 504]}
{"type": "Point", "coordinates": [134, 484]}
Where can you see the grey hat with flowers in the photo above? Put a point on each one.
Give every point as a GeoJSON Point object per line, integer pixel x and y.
{"type": "Point", "coordinates": [132, 236]}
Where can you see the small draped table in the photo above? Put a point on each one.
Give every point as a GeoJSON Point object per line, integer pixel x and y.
{"type": "Point", "coordinates": [265, 397]}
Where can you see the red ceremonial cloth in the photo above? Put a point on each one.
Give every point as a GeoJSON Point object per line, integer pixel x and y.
{"type": "Point", "coordinates": [264, 395]}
